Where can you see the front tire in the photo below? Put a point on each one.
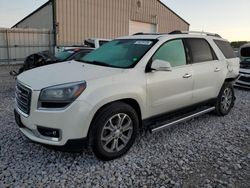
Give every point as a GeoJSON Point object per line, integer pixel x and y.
{"type": "Point", "coordinates": [114, 131]}
{"type": "Point", "coordinates": [225, 99]}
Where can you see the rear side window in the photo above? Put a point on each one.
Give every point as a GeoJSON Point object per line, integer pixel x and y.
{"type": "Point", "coordinates": [200, 50]}
{"type": "Point", "coordinates": [225, 48]}
{"type": "Point", "coordinates": [172, 52]}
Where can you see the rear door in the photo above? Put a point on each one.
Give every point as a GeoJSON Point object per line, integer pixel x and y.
{"type": "Point", "coordinates": [170, 90]}
{"type": "Point", "coordinates": [207, 70]}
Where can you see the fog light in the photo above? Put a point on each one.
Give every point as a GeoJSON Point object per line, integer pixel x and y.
{"type": "Point", "coordinates": [48, 132]}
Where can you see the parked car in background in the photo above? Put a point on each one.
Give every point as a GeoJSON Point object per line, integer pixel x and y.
{"type": "Point", "coordinates": [244, 79]}
{"type": "Point", "coordinates": [72, 54]}
{"type": "Point", "coordinates": [46, 58]}
{"type": "Point", "coordinates": [62, 54]}
{"type": "Point", "coordinates": [95, 42]}
{"type": "Point", "coordinates": [89, 43]}
{"type": "Point", "coordinates": [146, 80]}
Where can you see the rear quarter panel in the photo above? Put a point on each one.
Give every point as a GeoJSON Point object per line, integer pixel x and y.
{"type": "Point", "coordinates": [232, 66]}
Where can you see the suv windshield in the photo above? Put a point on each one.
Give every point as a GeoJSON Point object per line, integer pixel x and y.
{"type": "Point", "coordinates": [121, 53]}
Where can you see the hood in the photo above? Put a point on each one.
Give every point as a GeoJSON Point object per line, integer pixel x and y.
{"type": "Point", "coordinates": [66, 72]}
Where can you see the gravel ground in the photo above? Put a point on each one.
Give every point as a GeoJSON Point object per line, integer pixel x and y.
{"type": "Point", "coordinates": [208, 151]}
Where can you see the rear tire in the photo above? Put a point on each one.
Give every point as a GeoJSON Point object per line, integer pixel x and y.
{"type": "Point", "coordinates": [225, 99]}
{"type": "Point", "coordinates": [114, 131]}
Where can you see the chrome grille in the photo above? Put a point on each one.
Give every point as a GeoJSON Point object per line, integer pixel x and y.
{"type": "Point", "coordinates": [23, 98]}
{"type": "Point", "coordinates": [246, 73]}
{"type": "Point", "coordinates": [244, 79]}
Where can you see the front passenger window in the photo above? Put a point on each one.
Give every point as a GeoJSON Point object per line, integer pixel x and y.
{"type": "Point", "coordinates": [173, 52]}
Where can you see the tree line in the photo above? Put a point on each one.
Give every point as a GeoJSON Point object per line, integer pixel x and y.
{"type": "Point", "coordinates": [237, 44]}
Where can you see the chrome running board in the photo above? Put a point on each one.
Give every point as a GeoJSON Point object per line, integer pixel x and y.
{"type": "Point", "coordinates": [182, 119]}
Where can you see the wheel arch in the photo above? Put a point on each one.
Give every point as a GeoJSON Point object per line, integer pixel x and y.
{"type": "Point", "coordinates": [130, 101]}
{"type": "Point", "coordinates": [231, 79]}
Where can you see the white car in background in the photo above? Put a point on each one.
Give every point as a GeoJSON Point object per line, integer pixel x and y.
{"type": "Point", "coordinates": [91, 43]}
{"type": "Point", "coordinates": [96, 42]}
{"type": "Point", "coordinates": [146, 80]}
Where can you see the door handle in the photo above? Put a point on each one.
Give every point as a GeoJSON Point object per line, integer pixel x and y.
{"type": "Point", "coordinates": [187, 75]}
{"type": "Point", "coordinates": [217, 70]}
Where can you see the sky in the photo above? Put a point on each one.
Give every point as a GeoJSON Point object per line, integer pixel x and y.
{"type": "Point", "coordinates": [229, 18]}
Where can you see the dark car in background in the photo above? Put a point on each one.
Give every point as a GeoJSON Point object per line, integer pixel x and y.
{"type": "Point", "coordinates": [71, 54]}
{"type": "Point", "coordinates": [244, 79]}
{"type": "Point", "coordinates": [46, 58]}
{"type": "Point", "coordinates": [62, 54]}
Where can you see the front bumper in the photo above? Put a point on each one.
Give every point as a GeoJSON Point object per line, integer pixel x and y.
{"type": "Point", "coordinates": [70, 145]}
{"type": "Point", "coordinates": [243, 80]}
{"type": "Point", "coordinates": [71, 123]}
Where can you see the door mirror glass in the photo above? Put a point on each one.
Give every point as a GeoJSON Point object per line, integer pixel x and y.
{"type": "Point", "coordinates": [160, 65]}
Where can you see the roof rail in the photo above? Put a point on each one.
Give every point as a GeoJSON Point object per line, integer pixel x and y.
{"type": "Point", "coordinates": [176, 32]}
{"type": "Point", "coordinates": [201, 33]}
{"type": "Point", "coordinates": [141, 33]}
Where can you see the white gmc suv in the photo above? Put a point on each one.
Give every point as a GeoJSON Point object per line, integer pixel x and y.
{"type": "Point", "coordinates": [142, 81]}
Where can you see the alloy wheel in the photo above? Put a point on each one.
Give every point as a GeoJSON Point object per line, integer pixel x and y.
{"type": "Point", "coordinates": [226, 99]}
{"type": "Point", "coordinates": [116, 133]}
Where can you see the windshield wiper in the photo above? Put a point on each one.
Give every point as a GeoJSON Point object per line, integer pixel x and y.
{"type": "Point", "coordinates": [79, 60]}
{"type": "Point", "coordinates": [97, 63]}
{"type": "Point", "coordinates": [92, 62]}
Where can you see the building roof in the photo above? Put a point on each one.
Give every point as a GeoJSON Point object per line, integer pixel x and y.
{"type": "Point", "coordinates": [35, 11]}
{"type": "Point", "coordinates": [173, 12]}
{"type": "Point", "coordinates": [47, 3]}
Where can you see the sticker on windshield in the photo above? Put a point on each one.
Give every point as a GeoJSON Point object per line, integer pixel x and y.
{"type": "Point", "coordinates": [142, 42]}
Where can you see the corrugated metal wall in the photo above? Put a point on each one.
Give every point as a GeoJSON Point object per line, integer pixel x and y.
{"type": "Point", "coordinates": [152, 11]}
{"type": "Point", "coordinates": [78, 20]}
{"type": "Point", "coordinates": [17, 44]}
{"type": "Point", "coordinates": [81, 19]}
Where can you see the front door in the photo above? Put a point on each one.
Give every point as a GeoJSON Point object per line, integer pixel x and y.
{"type": "Point", "coordinates": [170, 90]}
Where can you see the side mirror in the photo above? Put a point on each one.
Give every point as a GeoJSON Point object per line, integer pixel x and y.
{"type": "Point", "coordinates": [160, 65]}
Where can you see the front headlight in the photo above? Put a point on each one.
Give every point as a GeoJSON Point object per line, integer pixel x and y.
{"type": "Point", "coordinates": [61, 96]}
